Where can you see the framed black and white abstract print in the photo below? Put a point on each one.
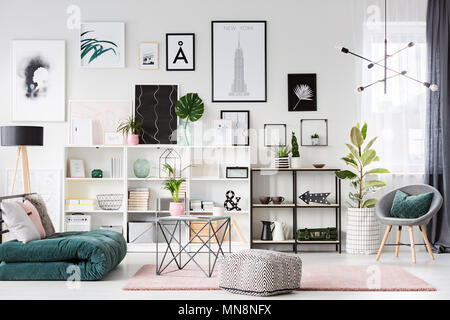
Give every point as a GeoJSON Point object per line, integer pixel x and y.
{"type": "Point", "coordinates": [240, 125]}
{"type": "Point", "coordinates": [180, 52]}
{"type": "Point", "coordinates": [154, 107]}
{"type": "Point", "coordinates": [38, 75]}
{"type": "Point", "coordinates": [302, 92]}
{"type": "Point", "coordinates": [239, 61]}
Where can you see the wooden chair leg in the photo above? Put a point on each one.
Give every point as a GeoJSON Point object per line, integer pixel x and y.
{"type": "Point", "coordinates": [413, 249]}
{"type": "Point", "coordinates": [427, 243]}
{"type": "Point", "coordinates": [386, 234]}
{"type": "Point", "coordinates": [397, 247]}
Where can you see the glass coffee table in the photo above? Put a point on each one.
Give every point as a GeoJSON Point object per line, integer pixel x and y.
{"type": "Point", "coordinates": [210, 235]}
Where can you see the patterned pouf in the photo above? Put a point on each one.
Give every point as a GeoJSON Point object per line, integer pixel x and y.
{"type": "Point", "coordinates": [260, 272]}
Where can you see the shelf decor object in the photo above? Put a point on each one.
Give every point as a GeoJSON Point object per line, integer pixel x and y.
{"type": "Point", "coordinates": [236, 172]}
{"type": "Point", "coordinates": [237, 47]}
{"type": "Point", "coordinates": [170, 157]}
{"type": "Point", "coordinates": [141, 168]}
{"type": "Point", "coordinates": [308, 197]}
{"type": "Point", "coordinates": [110, 201]}
{"type": "Point", "coordinates": [295, 159]}
{"type": "Point", "coordinates": [76, 168]}
{"type": "Point", "coordinates": [282, 159]}
{"type": "Point", "coordinates": [240, 125]}
{"type": "Point", "coordinates": [21, 137]}
{"type": "Point", "coordinates": [383, 63]}
{"type": "Point", "coordinates": [231, 202]}
{"type": "Point", "coordinates": [97, 174]}
{"type": "Point", "coordinates": [314, 132]}
{"type": "Point", "coordinates": [274, 135]}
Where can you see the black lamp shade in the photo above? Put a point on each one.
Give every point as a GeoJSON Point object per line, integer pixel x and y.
{"type": "Point", "coordinates": [22, 136]}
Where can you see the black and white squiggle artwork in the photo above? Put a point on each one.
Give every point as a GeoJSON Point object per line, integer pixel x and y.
{"type": "Point", "coordinates": [154, 107]}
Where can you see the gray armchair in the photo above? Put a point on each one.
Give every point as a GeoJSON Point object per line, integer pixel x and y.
{"type": "Point", "coordinates": [383, 210]}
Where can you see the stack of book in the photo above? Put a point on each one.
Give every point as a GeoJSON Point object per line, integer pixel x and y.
{"type": "Point", "coordinates": [138, 199]}
{"type": "Point", "coordinates": [196, 205]}
{"type": "Point", "coordinates": [208, 205]}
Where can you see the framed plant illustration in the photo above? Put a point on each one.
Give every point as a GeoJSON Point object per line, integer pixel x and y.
{"type": "Point", "coordinates": [38, 74]}
{"type": "Point", "coordinates": [302, 92]}
{"type": "Point", "coordinates": [180, 51]}
{"type": "Point", "coordinates": [102, 44]}
{"type": "Point", "coordinates": [239, 61]}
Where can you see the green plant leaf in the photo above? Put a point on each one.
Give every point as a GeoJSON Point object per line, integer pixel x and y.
{"type": "Point", "coordinates": [190, 106]}
{"type": "Point", "coordinates": [353, 151]}
{"type": "Point", "coordinates": [370, 203]}
{"type": "Point", "coordinates": [374, 183]}
{"type": "Point", "coordinates": [370, 143]}
{"type": "Point", "coordinates": [356, 137]}
{"type": "Point", "coordinates": [364, 131]}
{"type": "Point", "coordinates": [377, 170]}
{"type": "Point", "coordinates": [368, 156]}
{"type": "Point", "coordinates": [350, 161]}
{"type": "Point", "coordinates": [346, 174]}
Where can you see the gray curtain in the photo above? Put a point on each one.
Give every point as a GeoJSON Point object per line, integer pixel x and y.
{"type": "Point", "coordinates": [437, 169]}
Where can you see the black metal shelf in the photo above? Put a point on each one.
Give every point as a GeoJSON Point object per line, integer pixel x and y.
{"type": "Point", "coordinates": [295, 207]}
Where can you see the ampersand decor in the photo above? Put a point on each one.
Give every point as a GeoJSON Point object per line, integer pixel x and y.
{"type": "Point", "coordinates": [229, 203]}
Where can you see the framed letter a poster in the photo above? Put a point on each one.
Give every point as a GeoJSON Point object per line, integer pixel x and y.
{"type": "Point", "coordinates": [239, 61]}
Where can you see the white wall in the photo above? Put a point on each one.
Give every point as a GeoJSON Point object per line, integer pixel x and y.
{"type": "Point", "coordinates": [301, 35]}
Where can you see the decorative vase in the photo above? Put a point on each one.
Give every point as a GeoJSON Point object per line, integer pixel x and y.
{"type": "Point", "coordinates": [282, 162]}
{"type": "Point", "coordinates": [295, 162]}
{"type": "Point", "coordinates": [141, 168]}
{"type": "Point", "coordinates": [176, 208]}
{"type": "Point", "coordinates": [133, 139]}
{"type": "Point", "coordinates": [183, 133]}
{"type": "Point", "coordinates": [315, 141]}
{"type": "Point", "coordinates": [97, 173]}
{"type": "Point", "coordinates": [363, 231]}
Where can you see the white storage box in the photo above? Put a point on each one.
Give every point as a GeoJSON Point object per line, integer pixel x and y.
{"type": "Point", "coordinates": [78, 222]}
{"type": "Point", "coordinates": [112, 228]}
{"type": "Point", "coordinates": [141, 232]}
{"type": "Point", "coordinates": [81, 205]}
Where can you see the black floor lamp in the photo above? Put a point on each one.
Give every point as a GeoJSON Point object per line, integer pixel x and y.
{"type": "Point", "coordinates": [21, 137]}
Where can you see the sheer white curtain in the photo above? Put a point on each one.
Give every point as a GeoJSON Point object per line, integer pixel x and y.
{"type": "Point", "coordinates": [397, 118]}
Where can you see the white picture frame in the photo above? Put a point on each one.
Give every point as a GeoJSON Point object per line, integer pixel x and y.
{"type": "Point", "coordinates": [180, 51]}
{"type": "Point", "coordinates": [148, 55]}
{"type": "Point", "coordinates": [223, 132]}
{"type": "Point", "coordinates": [38, 78]}
{"type": "Point", "coordinates": [76, 168]}
{"type": "Point", "coordinates": [113, 138]}
{"type": "Point", "coordinates": [81, 132]}
{"type": "Point", "coordinates": [109, 35]}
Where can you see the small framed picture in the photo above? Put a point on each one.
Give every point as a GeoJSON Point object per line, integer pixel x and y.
{"type": "Point", "coordinates": [148, 55]}
{"type": "Point", "coordinates": [223, 133]}
{"type": "Point", "coordinates": [113, 139]}
{"type": "Point", "coordinates": [240, 125]}
{"type": "Point", "coordinates": [180, 51]}
{"type": "Point", "coordinates": [237, 172]}
{"type": "Point", "coordinates": [81, 132]}
{"type": "Point", "coordinates": [274, 135]}
{"type": "Point", "coordinates": [76, 168]}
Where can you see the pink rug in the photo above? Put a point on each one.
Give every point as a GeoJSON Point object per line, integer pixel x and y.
{"type": "Point", "coordinates": [314, 278]}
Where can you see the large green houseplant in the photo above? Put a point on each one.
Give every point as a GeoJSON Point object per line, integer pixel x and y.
{"type": "Point", "coordinates": [190, 108]}
{"type": "Point", "coordinates": [363, 228]}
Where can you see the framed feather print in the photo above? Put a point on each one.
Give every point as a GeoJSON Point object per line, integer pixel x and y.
{"type": "Point", "coordinates": [302, 92]}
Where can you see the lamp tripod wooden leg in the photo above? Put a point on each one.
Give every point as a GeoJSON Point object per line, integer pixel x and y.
{"type": "Point", "coordinates": [427, 243]}
{"type": "Point", "coordinates": [235, 225]}
{"type": "Point", "coordinates": [386, 234]}
{"type": "Point", "coordinates": [397, 247]}
{"type": "Point", "coordinates": [22, 155]}
{"type": "Point", "coordinates": [413, 249]}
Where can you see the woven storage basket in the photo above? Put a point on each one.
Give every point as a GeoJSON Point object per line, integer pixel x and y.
{"type": "Point", "coordinates": [112, 201]}
{"type": "Point", "coordinates": [363, 231]}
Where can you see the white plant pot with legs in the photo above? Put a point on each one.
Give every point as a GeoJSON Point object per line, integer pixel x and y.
{"type": "Point", "coordinates": [363, 231]}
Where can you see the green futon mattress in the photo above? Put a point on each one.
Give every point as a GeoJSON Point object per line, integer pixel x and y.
{"type": "Point", "coordinates": [78, 255]}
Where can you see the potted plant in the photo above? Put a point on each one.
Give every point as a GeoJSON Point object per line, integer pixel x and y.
{"type": "Point", "coordinates": [190, 108]}
{"type": "Point", "coordinates": [132, 129]}
{"type": "Point", "coordinates": [363, 228]}
{"type": "Point", "coordinates": [315, 139]}
{"type": "Point", "coordinates": [295, 160]}
{"type": "Point", "coordinates": [282, 159]}
{"type": "Point", "coordinates": [172, 184]}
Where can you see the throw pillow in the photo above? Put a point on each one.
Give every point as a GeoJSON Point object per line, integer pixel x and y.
{"type": "Point", "coordinates": [410, 207]}
{"type": "Point", "coordinates": [33, 214]}
{"type": "Point", "coordinates": [18, 223]}
{"type": "Point", "coordinates": [39, 204]}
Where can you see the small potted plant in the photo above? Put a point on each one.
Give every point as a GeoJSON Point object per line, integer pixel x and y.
{"type": "Point", "coordinates": [282, 159]}
{"type": "Point", "coordinates": [132, 129]}
{"type": "Point", "coordinates": [172, 184]}
{"type": "Point", "coordinates": [295, 160]}
{"type": "Point", "coordinates": [315, 139]}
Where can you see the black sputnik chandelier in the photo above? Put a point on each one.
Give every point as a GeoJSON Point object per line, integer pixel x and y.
{"type": "Point", "coordinates": [383, 63]}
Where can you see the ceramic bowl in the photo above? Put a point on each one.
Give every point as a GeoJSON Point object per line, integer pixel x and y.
{"type": "Point", "coordinates": [319, 165]}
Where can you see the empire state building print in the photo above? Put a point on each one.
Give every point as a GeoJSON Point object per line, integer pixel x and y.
{"type": "Point", "coordinates": [239, 87]}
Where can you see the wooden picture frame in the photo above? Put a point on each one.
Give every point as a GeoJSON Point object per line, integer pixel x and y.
{"type": "Point", "coordinates": [76, 168]}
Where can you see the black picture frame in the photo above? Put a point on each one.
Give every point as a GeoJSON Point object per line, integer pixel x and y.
{"type": "Point", "coordinates": [265, 135]}
{"type": "Point", "coordinates": [229, 169]}
{"type": "Point", "coordinates": [222, 112]}
{"type": "Point", "coordinates": [167, 51]}
{"type": "Point", "coordinates": [302, 85]}
{"type": "Point", "coordinates": [302, 133]}
{"type": "Point", "coordinates": [264, 22]}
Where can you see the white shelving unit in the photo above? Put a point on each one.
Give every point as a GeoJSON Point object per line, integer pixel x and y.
{"type": "Point", "coordinates": [203, 187]}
